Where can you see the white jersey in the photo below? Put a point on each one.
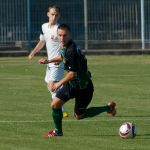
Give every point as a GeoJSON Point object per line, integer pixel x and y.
{"type": "Point", "coordinates": [49, 35]}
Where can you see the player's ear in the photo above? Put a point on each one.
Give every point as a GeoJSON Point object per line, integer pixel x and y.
{"type": "Point", "coordinates": [47, 14]}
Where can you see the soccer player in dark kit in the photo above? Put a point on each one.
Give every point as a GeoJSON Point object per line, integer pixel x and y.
{"type": "Point", "coordinates": [76, 83]}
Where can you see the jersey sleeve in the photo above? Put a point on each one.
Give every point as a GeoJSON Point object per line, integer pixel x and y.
{"type": "Point", "coordinates": [41, 37]}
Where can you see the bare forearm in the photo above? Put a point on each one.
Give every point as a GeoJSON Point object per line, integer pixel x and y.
{"type": "Point", "coordinates": [69, 76]}
{"type": "Point", "coordinates": [56, 59]}
{"type": "Point", "coordinates": [38, 47]}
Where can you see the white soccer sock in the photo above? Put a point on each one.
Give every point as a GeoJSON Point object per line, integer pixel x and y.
{"type": "Point", "coordinates": [63, 108]}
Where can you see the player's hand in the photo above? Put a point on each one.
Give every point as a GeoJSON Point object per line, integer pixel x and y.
{"type": "Point", "coordinates": [57, 63]}
{"type": "Point", "coordinates": [30, 56]}
{"type": "Point", "coordinates": [43, 61]}
{"type": "Point", "coordinates": [55, 86]}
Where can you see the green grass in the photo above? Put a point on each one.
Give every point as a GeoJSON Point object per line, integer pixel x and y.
{"type": "Point", "coordinates": [25, 114]}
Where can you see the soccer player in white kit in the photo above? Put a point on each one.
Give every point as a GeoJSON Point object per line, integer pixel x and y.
{"type": "Point", "coordinates": [54, 72]}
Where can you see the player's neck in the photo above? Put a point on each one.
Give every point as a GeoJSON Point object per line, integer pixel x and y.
{"type": "Point", "coordinates": [51, 25]}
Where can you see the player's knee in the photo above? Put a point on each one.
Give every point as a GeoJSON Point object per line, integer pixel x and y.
{"type": "Point", "coordinates": [55, 104]}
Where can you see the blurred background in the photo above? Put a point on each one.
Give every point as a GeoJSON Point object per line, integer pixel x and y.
{"type": "Point", "coordinates": [97, 25]}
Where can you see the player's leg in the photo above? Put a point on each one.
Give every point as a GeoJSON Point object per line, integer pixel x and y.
{"type": "Point", "coordinates": [84, 97]}
{"type": "Point", "coordinates": [63, 95]}
{"type": "Point", "coordinates": [82, 100]}
{"type": "Point", "coordinates": [109, 108]}
{"type": "Point", "coordinates": [57, 118]}
{"type": "Point", "coordinates": [65, 113]}
{"type": "Point", "coordinates": [50, 86]}
{"type": "Point", "coordinates": [57, 114]}
{"type": "Point", "coordinates": [54, 74]}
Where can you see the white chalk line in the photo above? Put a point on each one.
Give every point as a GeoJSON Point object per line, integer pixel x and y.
{"type": "Point", "coordinates": [74, 120]}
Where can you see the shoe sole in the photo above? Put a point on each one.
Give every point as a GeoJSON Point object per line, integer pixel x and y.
{"type": "Point", "coordinates": [112, 113]}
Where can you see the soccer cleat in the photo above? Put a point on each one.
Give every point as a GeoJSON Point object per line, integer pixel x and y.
{"type": "Point", "coordinates": [65, 114]}
{"type": "Point", "coordinates": [112, 111]}
{"type": "Point", "coordinates": [51, 134]}
{"type": "Point", "coordinates": [78, 117]}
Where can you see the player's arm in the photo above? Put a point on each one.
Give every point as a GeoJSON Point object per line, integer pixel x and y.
{"type": "Point", "coordinates": [72, 70]}
{"type": "Point", "coordinates": [57, 59]}
{"type": "Point", "coordinates": [69, 76]}
{"type": "Point", "coordinates": [37, 48]}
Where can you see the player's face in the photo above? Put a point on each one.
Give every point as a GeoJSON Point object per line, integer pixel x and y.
{"type": "Point", "coordinates": [53, 16]}
{"type": "Point", "coordinates": [63, 37]}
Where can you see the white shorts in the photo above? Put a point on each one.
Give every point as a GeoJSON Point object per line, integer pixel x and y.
{"type": "Point", "coordinates": [54, 73]}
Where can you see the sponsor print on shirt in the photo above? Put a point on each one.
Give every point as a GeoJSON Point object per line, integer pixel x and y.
{"type": "Point", "coordinates": [52, 37]}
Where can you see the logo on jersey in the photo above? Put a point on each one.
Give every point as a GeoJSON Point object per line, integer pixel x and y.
{"type": "Point", "coordinates": [52, 37]}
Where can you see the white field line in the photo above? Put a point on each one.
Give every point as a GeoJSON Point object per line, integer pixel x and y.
{"type": "Point", "coordinates": [74, 120]}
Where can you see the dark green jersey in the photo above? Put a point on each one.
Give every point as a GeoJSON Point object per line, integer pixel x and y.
{"type": "Point", "coordinates": [75, 60]}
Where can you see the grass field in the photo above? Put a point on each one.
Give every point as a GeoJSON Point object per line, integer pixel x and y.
{"type": "Point", "coordinates": [25, 115]}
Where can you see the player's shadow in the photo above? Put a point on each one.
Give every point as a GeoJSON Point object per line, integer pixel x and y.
{"type": "Point", "coordinates": [94, 111]}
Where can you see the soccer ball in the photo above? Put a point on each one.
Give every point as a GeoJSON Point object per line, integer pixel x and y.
{"type": "Point", "coordinates": [127, 130]}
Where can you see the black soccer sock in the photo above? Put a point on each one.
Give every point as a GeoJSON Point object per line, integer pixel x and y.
{"type": "Point", "coordinates": [105, 108]}
{"type": "Point", "coordinates": [57, 117]}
